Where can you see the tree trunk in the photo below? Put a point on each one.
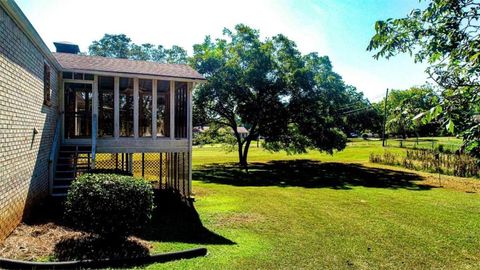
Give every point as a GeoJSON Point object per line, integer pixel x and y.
{"type": "Point", "coordinates": [240, 151]}
{"type": "Point", "coordinates": [244, 156]}
{"type": "Point", "coordinates": [244, 161]}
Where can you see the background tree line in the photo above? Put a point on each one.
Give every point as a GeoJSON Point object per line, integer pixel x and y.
{"type": "Point", "coordinates": [121, 46]}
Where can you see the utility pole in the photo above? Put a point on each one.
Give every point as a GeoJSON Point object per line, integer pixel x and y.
{"type": "Point", "coordinates": [384, 118]}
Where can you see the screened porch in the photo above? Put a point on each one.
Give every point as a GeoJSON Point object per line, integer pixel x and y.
{"type": "Point", "coordinates": [123, 114]}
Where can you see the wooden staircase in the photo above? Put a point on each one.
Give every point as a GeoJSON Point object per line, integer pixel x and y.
{"type": "Point", "coordinates": [72, 161]}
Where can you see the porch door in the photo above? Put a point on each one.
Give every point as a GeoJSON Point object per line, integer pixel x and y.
{"type": "Point", "coordinates": [78, 110]}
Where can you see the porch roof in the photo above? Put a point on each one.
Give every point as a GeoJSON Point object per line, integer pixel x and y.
{"type": "Point", "coordinates": [87, 63]}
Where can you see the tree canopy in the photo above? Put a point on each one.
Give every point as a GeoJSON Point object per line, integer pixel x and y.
{"type": "Point", "coordinates": [403, 108]}
{"type": "Point", "coordinates": [445, 35]}
{"type": "Point", "coordinates": [268, 86]}
{"type": "Point", "coordinates": [121, 46]}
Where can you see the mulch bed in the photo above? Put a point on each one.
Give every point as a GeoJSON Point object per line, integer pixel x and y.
{"type": "Point", "coordinates": [34, 242]}
{"type": "Point", "coordinates": [53, 242]}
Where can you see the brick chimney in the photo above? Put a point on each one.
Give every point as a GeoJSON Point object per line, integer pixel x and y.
{"type": "Point", "coordinates": [66, 47]}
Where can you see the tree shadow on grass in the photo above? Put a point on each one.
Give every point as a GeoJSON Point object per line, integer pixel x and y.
{"type": "Point", "coordinates": [175, 220]}
{"type": "Point", "coordinates": [308, 174]}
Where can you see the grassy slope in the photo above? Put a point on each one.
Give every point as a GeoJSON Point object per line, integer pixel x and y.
{"type": "Point", "coordinates": [357, 227]}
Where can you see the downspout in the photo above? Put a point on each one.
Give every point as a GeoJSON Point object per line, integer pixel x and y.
{"type": "Point", "coordinates": [52, 160]}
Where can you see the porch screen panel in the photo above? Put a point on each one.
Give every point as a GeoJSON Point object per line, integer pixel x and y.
{"type": "Point", "coordinates": [78, 110]}
{"type": "Point", "coordinates": [126, 107]}
{"type": "Point", "coordinates": [105, 106]}
{"type": "Point", "coordinates": [181, 110]}
{"type": "Point", "coordinates": [163, 108]}
{"type": "Point", "coordinates": [145, 100]}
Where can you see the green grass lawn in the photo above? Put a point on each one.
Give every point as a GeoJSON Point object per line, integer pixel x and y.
{"type": "Point", "coordinates": [326, 212]}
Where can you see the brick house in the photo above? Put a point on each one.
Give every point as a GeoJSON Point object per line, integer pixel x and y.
{"type": "Point", "coordinates": [62, 113]}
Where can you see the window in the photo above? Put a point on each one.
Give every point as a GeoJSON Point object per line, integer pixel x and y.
{"type": "Point", "coordinates": [105, 106]}
{"type": "Point", "coordinates": [46, 85]}
{"type": "Point", "coordinates": [78, 110]}
{"type": "Point", "coordinates": [78, 76]}
{"type": "Point", "coordinates": [145, 100]}
{"type": "Point", "coordinates": [67, 75]}
{"type": "Point", "coordinates": [88, 77]}
{"type": "Point", "coordinates": [126, 107]}
{"type": "Point", "coordinates": [163, 108]}
{"type": "Point", "coordinates": [181, 110]}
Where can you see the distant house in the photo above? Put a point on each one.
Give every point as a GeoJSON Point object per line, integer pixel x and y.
{"type": "Point", "coordinates": [242, 131]}
{"type": "Point", "coordinates": [200, 129]}
{"type": "Point", "coordinates": [63, 113]}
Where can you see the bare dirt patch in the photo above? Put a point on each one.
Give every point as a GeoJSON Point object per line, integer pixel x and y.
{"type": "Point", "coordinates": [468, 185]}
{"type": "Point", "coordinates": [239, 219]}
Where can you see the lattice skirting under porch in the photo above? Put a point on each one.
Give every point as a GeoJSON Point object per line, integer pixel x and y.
{"type": "Point", "coordinates": [169, 171]}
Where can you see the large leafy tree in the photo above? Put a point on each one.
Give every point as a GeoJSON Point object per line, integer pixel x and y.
{"type": "Point", "coordinates": [121, 46]}
{"type": "Point", "coordinates": [269, 87]}
{"type": "Point", "coordinates": [445, 35]}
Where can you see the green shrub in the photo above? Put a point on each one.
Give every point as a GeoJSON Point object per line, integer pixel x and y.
{"type": "Point", "coordinates": [109, 205]}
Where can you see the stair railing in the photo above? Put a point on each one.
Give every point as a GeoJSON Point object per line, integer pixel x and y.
{"type": "Point", "coordinates": [94, 140]}
{"type": "Point", "coordinates": [52, 159]}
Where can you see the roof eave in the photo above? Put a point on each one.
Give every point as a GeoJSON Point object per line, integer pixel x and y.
{"type": "Point", "coordinates": [129, 74]}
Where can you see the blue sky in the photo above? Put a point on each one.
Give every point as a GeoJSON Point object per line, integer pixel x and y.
{"type": "Point", "coordinates": [340, 29]}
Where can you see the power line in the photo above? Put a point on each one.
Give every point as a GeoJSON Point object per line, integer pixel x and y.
{"type": "Point", "coordinates": [349, 105]}
{"type": "Point", "coordinates": [357, 110]}
{"type": "Point", "coordinates": [385, 118]}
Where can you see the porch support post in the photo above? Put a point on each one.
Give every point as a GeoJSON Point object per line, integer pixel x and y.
{"type": "Point", "coordinates": [191, 86]}
{"type": "Point", "coordinates": [154, 109]}
{"type": "Point", "coordinates": [61, 104]}
{"type": "Point", "coordinates": [172, 110]}
{"type": "Point", "coordinates": [135, 108]}
{"type": "Point", "coordinates": [94, 119]}
{"type": "Point", "coordinates": [116, 107]}
{"type": "Point", "coordinates": [130, 162]}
